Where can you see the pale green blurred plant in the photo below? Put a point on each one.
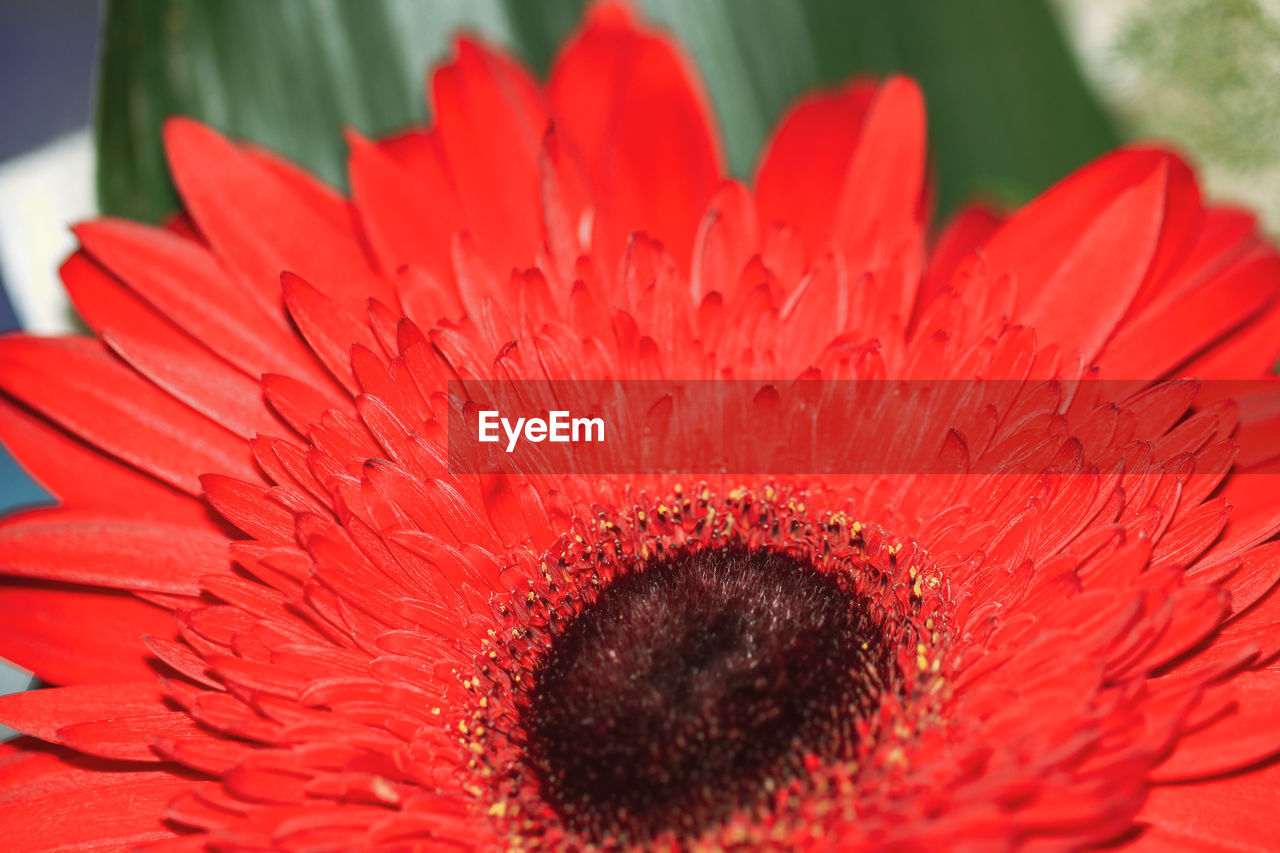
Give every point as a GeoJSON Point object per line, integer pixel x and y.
{"type": "Point", "coordinates": [1207, 74]}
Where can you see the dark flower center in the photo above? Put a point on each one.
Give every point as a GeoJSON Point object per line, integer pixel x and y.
{"type": "Point", "coordinates": [694, 686]}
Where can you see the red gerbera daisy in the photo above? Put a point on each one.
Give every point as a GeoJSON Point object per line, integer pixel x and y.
{"type": "Point", "coordinates": [279, 621]}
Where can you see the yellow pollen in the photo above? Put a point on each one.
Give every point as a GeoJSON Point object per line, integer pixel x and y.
{"type": "Point", "coordinates": [385, 791]}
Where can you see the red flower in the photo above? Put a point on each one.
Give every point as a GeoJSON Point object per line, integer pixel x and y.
{"type": "Point", "coordinates": [280, 622]}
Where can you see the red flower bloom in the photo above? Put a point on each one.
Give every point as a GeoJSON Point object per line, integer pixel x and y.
{"type": "Point", "coordinates": [278, 621]}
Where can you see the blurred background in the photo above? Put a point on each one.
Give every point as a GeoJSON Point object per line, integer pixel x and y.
{"type": "Point", "coordinates": [1019, 92]}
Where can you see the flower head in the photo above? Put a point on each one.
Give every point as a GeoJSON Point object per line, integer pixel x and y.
{"type": "Point", "coordinates": [279, 619]}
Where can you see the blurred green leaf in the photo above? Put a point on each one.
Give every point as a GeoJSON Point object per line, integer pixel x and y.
{"type": "Point", "coordinates": [1009, 113]}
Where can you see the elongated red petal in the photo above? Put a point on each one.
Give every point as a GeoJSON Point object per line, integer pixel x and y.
{"type": "Point", "coordinates": [1080, 302]}
{"type": "Point", "coordinates": [35, 615]}
{"type": "Point", "coordinates": [73, 382]}
{"type": "Point", "coordinates": [491, 120]}
{"type": "Point", "coordinates": [185, 283]}
{"type": "Point", "coordinates": [51, 799]}
{"type": "Point", "coordinates": [408, 220]}
{"type": "Point", "coordinates": [803, 168]}
{"type": "Point", "coordinates": [41, 713]}
{"type": "Point", "coordinates": [879, 207]}
{"type": "Point", "coordinates": [261, 224]}
{"type": "Point", "coordinates": [83, 478]}
{"type": "Point", "coordinates": [1236, 810]}
{"type": "Point", "coordinates": [120, 553]}
{"type": "Point", "coordinates": [1168, 339]}
{"type": "Point", "coordinates": [628, 104]}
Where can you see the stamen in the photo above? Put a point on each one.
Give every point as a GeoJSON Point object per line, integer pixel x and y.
{"type": "Point", "coordinates": [694, 686]}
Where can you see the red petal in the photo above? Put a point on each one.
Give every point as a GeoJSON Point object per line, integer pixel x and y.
{"type": "Point", "coordinates": [408, 220]}
{"type": "Point", "coordinates": [41, 713]}
{"type": "Point", "coordinates": [71, 381]}
{"type": "Point", "coordinates": [1157, 344]}
{"type": "Point", "coordinates": [1198, 611]}
{"type": "Point", "coordinates": [880, 200]}
{"type": "Point", "coordinates": [566, 208]}
{"type": "Point", "coordinates": [1254, 516]}
{"type": "Point", "coordinates": [1081, 300]}
{"type": "Point", "coordinates": [159, 350]}
{"type": "Point", "coordinates": [1235, 812]}
{"type": "Point", "coordinates": [1036, 242]}
{"type": "Point", "coordinates": [1243, 737]}
{"type": "Point", "coordinates": [329, 329]}
{"type": "Point", "coordinates": [964, 232]}
{"type": "Point", "coordinates": [130, 737]}
{"type": "Point", "coordinates": [52, 799]}
{"type": "Point", "coordinates": [1183, 221]}
{"type": "Point", "coordinates": [802, 172]}
{"type": "Point", "coordinates": [1251, 351]}
{"type": "Point", "coordinates": [491, 120]}
{"type": "Point", "coordinates": [201, 380]}
{"type": "Point", "coordinates": [1036, 238]}
{"type": "Point", "coordinates": [247, 506]}
{"type": "Point", "coordinates": [419, 151]}
{"type": "Point", "coordinates": [81, 547]}
{"type": "Point", "coordinates": [82, 478]}
{"type": "Point", "coordinates": [76, 635]}
{"type": "Point", "coordinates": [728, 238]}
{"type": "Point", "coordinates": [630, 106]}
{"type": "Point", "coordinates": [102, 300]}
{"type": "Point", "coordinates": [297, 402]}
{"type": "Point", "coordinates": [260, 224]}
{"type": "Point", "coordinates": [185, 283]}
{"type": "Point", "coordinates": [326, 201]}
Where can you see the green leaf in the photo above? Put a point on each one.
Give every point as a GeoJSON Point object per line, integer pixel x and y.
{"type": "Point", "coordinates": [1009, 113]}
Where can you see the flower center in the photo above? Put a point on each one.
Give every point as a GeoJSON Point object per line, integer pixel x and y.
{"type": "Point", "coordinates": [696, 685]}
